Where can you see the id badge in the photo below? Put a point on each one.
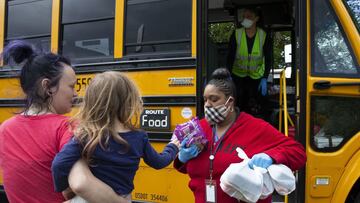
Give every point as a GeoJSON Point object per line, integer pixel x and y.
{"type": "Point", "coordinates": [210, 191]}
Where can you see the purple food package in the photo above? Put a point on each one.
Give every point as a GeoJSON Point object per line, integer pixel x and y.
{"type": "Point", "coordinates": [191, 130]}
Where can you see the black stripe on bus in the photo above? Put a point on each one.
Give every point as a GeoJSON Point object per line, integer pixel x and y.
{"type": "Point", "coordinates": [163, 101]}
{"type": "Point", "coordinates": [201, 52]}
{"type": "Point", "coordinates": [129, 68]}
{"type": "Point", "coordinates": [148, 101]}
{"type": "Point", "coordinates": [124, 65]}
{"type": "Point", "coordinates": [301, 128]}
{"type": "Point", "coordinates": [131, 62]}
{"type": "Point", "coordinates": [169, 100]}
{"type": "Point", "coordinates": [12, 102]}
{"type": "Point", "coordinates": [159, 136]}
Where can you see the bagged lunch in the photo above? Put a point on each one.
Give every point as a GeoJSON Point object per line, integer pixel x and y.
{"type": "Point", "coordinates": [250, 185]}
{"type": "Point", "coordinates": [246, 184]}
{"type": "Point", "coordinates": [282, 178]}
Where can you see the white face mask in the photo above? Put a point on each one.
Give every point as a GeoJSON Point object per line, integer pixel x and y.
{"type": "Point", "coordinates": [247, 23]}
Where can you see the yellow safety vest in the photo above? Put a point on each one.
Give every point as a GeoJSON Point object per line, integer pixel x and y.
{"type": "Point", "coordinates": [246, 64]}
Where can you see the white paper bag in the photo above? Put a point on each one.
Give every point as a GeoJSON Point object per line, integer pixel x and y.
{"type": "Point", "coordinates": [282, 178]}
{"type": "Point", "coordinates": [242, 182]}
{"type": "Point", "coordinates": [250, 185]}
{"type": "Point", "coordinates": [268, 187]}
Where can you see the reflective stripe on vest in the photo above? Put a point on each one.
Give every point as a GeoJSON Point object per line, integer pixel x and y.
{"type": "Point", "coordinates": [252, 65]}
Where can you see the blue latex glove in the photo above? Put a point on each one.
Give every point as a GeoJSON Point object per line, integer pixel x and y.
{"type": "Point", "coordinates": [263, 86]}
{"type": "Point", "coordinates": [185, 154]}
{"type": "Point", "coordinates": [261, 160]}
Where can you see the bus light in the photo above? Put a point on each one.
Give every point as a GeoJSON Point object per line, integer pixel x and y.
{"type": "Point", "coordinates": [322, 181]}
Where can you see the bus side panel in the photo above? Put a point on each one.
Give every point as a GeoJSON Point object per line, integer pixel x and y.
{"type": "Point", "coordinates": [165, 185]}
{"type": "Point", "coordinates": [161, 185]}
{"type": "Point", "coordinates": [10, 88]}
{"type": "Point", "coordinates": [348, 178]}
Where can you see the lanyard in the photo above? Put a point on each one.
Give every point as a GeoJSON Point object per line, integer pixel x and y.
{"type": "Point", "coordinates": [212, 152]}
{"type": "Point", "coordinates": [219, 141]}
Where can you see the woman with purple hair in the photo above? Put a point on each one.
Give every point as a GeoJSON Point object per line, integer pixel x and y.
{"type": "Point", "coordinates": [30, 140]}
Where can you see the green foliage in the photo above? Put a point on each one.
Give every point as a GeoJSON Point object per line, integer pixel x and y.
{"type": "Point", "coordinates": [280, 40]}
{"type": "Point", "coordinates": [221, 32]}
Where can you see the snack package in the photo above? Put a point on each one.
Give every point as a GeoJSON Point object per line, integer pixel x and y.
{"type": "Point", "coordinates": [192, 131]}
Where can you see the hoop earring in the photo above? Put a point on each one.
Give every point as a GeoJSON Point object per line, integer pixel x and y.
{"type": "Point", "coordinates": [232, 109]}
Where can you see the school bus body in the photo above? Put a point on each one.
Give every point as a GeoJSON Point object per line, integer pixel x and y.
{"type": "Point", "coordinates": [331, 173]}
{"type": "Point", "coordinates": [166, 185]}
{"type": "Point", "coordinates": [166, 83]}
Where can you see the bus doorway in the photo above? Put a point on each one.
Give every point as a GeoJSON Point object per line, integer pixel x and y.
{"type": "Point", "coordinates": [277, 19]}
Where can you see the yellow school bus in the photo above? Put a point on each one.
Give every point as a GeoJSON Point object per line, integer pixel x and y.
{"type": "Point", "coordinates": [170, 47]}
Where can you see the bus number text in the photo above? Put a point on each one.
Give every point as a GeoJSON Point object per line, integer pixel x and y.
{"type": "Point", "coordinates": [82, 83]}
{"type": "Point", "coordinates": [151, 197]}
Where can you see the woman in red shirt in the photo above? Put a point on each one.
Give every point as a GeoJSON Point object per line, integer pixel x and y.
{"type": "Point", "coordinates": [30, 140]}
{"type": "Point", "coordinates": [226, 128]}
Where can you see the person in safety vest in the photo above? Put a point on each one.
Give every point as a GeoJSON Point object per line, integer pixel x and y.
{"type": "Point", "coordinates": [248, 63]}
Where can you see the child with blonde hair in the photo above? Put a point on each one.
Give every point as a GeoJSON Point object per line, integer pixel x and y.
{"type": "Point", "coordinates": [106, 138]}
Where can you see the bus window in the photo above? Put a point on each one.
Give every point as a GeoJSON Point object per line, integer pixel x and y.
{"type": "Point", "coordinates": [282, 54]}
{"type": "Point", "coordinates": [23, 27]}
{"type": "Point", "coordinates": [218, 44]}
{"type": "Point", "coordinates": [221, 32]}
{"type": "Point", "coordinates": [354, 9]}
{"type": "Point", "coordinates": [330, 51]}
{"type": "Point", "coordinates": [155, 28]}
{"type": "Point", "coordinates": [88, 30]}
{"type": "Point", "coordinates": [334, 121]}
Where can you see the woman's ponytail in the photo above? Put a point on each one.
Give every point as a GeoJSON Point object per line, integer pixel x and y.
{"type": "Point", "coordinates": [221, 78]}
{"type": "Point", "coordinates": [35, 66]}
{"type": "Point", "coordinates": [17, 51]}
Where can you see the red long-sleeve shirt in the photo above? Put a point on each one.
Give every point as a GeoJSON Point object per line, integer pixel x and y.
{"type": "Point", "coordinates": [253, 136]}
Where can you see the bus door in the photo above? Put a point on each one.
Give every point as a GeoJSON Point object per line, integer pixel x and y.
{"type": "Point", "coordinates": [330, 95]}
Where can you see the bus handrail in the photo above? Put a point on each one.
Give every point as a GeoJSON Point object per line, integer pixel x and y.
{"type": "Point", "coordinates": [284, 110]}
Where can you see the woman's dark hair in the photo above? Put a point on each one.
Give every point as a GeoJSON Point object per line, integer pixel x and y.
{"type": "Point", "coordinates": [34, 68]}
{"type": "Point", "coordinates": [221, 78]}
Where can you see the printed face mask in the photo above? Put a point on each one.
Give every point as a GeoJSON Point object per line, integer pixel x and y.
{"type": "Point", "coordinates": [247, 23]}
{"type": "Point", "coordinates": [217, 114]}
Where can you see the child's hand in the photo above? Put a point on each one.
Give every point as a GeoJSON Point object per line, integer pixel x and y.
{"type": "Point", "coordinates": [173, 137]}
{"type": "Point", "coordinates": [175, 141]}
